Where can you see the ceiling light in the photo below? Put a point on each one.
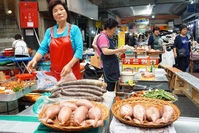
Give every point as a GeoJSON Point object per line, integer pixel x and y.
{"type": "Point", "coordinates": [153, 16]}
{"type": "Point", "coordinates": [9, 12]}
{"type": "Point", "coordinates": [192, 1]}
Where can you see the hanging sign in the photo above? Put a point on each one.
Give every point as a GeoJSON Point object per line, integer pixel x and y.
{"type": "Point", "coordinates": [121, 39]}
{"type": "Point", "coordinates": [141, 20]}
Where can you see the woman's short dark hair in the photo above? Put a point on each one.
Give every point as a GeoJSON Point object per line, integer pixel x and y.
{"type": "Point", "coordinates": [53, 3]}
{"type": "Point", "coordinates": [182, 27]}
{"type": "Point", "coordinates": [156, 28]}
{"type": "Point", "coordinates": [17, 37]}
{"type": "Point", "coordinates": [100, 30]}
{"type": "Point", "coordinates": [110, 23]}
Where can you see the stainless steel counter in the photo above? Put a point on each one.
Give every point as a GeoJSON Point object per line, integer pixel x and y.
{"type": "Point", "coordinates": [187, 125]}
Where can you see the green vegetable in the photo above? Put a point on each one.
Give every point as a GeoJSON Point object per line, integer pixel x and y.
{"type": "Point", "coordinates": [160, 94]}
{"type": "Point", "coordinates": [16, 89]}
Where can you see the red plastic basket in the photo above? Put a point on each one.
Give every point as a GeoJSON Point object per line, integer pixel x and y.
{"type": "Point", "coordinates": [25, 76]}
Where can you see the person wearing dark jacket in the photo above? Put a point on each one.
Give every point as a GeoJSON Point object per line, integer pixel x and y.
{"type": "Point", "coordinates": [181, 41]}
{"type": "Point", "coordinates": [154, 41]}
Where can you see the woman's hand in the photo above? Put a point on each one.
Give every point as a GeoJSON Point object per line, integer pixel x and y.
{"type": "Point", "coordinates": [66, 69]}
{"type": "Point", "coordinates": [122, 49]}
{"type": "Point", "coordinates": [175, 55]}
{"type": "Point", "coordinates": [31, 65]}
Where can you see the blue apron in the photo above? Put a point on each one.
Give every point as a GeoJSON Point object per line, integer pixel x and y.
{"type": "Point", "coordinates": [110, 63]}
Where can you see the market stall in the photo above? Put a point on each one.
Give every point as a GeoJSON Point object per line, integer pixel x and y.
{"type": "Point", "coordinates": [139, 58]}
{"type": "Point", "coordinates": [30, 119]}
{"type": "Point", "coordinates": [11, 91]}
{"type": "Point", "coordinates": [158, 81]}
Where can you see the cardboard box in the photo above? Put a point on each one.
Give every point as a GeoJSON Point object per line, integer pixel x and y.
{"type": "Point", "coordinates": [95, 61]}
{"type": "Point", "coordinates": [2, 76]}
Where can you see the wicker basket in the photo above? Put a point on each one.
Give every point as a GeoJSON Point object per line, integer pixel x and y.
{"type": "Point", "coordinates": [56, 126]}
{"type": "Point", "coordinates": [147, 102]}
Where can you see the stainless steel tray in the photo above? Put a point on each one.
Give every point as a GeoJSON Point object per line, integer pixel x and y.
{"type": "Point", "coordinates": [18, 94]}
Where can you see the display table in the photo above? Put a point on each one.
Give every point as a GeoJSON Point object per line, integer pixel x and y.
{"type": "Point", "coordinates": [160, 81]}
{"type": "Point", "coordinates": [20, 61]}
{"type": "Point", "coordinates": [28, 122]}
{"type": "Point", "coordinates": [182, 125]}
{"type": "Point", "coordinates": [171, 74]}
{"type": "Point", "coordinates": [187, 84]}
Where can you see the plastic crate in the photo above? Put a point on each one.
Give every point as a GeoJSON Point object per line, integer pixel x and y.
{"type": "Point", "coordinates": [8, 53]}
{"type": "Point", "coordinates": [25, 76]}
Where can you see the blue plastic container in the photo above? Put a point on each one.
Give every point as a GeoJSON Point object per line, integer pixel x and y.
{"type": "Point", "coordinates": [45, 66]}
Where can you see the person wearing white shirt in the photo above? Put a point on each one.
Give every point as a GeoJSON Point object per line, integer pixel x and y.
{"type": "Point", "coordinates": [20, 47]}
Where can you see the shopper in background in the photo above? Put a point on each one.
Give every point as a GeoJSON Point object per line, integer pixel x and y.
{"type": "Point", "coordinates": [155, 41]}
{"type": "Point", "coordinates": [20, 47]}
{"type": "Point", "coordinates": [64, 41]}
{"type": "Point", "coordinates": [182, 41]}
{"type": "Point", "coordinates": [132, 40]}
{"type": "Point", "coordinates": [94, 44]}
{"type": "Point", "coordinates": [107, 51]}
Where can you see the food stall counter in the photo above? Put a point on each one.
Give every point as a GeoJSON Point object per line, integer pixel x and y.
{"type": "Point", "coordinates": [160, 81]}
{"type": "Point", "coordinates": [27, 120]}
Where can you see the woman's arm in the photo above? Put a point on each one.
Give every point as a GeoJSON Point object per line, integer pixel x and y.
{"type": "Point", "coordinates": [175, 46]}
{"type": "Point", "coordinates": [43, 49]}
{"type": "Point", "coordinates": [77, 41]}
{"type": "Point", "coordinates": [107, 51]}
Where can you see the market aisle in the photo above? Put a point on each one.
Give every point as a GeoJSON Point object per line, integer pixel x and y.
{"type": "Point", "coordinates": [187, 107]}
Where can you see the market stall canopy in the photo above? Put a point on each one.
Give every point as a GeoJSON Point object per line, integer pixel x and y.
{"type": "Point", "coordinates": [157, 11]}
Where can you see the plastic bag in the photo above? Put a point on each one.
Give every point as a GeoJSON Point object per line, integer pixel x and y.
{"type": "Point", "coordinates": [45, 81]}
{"type": "Point", "coordinates": [168, 58]}
{"type": "Point", "coordinates": [92, 72]}
{"type": "Point", "coordinates": [42, 102]}
{"type": "Point", "coordinates": [69, 77]}
{"type": "Point", "coordinates": [38, 105]}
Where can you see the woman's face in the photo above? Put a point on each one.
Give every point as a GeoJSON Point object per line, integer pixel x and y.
{"type": "Point", "coordinates": [156, 32]}
{"type": "Point", "coordinates": [184, 31]}
{"type": "Point", "coordinates": [112, 31]}
{"type": "Point", "coordinates": [59, 13]}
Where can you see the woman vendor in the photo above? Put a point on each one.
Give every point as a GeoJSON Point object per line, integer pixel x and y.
{"type": "Point", "coordinates": [64, 41]}
{"type": "Point", "coordinates": [107, 51]}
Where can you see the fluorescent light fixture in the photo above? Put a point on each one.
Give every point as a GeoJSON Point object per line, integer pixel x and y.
{"type": "Point", "coordinates": [142, 10]}
{"type": "Point", "coordinates": [192, 1]}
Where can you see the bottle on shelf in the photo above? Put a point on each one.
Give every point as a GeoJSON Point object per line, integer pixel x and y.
{"type": "Point", "coordinates": [152, 69]}
{"type": "Point", "coordinates": [148, 64]}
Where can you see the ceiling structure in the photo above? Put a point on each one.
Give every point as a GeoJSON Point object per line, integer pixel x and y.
{"type": "Point", "coordinates": [130, 10]}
